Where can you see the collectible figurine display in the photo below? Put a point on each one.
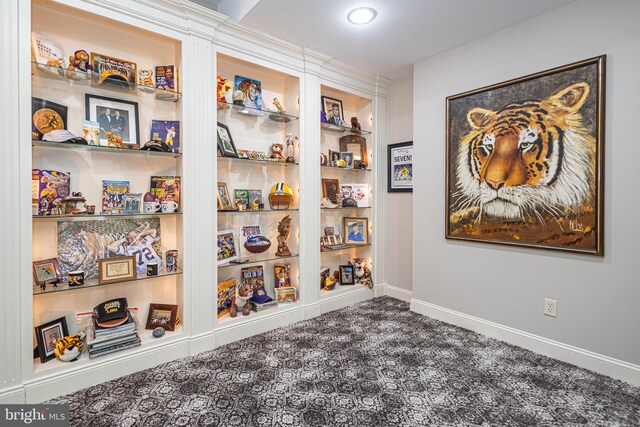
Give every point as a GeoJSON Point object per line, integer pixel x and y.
{"type": "Point", "coordinates": [238, 98]}
{"type": "Point", "coordinates": [284, 228]}
{"type": "Point", "coordinates": [276, 151]}
{"type": "Point", "coordinates": [291, 140]}
{"type": "Point", "coordinates": [80, 62]}
{"type": "Point", "coordinates": [280, 196]}
{"type": "Point", "coordinates": [69, 348]}
{"type": "Point", "coordinates": [362, 273]}
{"type": "Point", "coordinates": [278, 106]}
{"type": "Point", "coordinates": [145, 81]}
{"type": "Point", "coordinates": [113, 140]}
{"type": "Point", "coordinates": [242, 299]}
{"type": "Point", "coordinates": [355, 124]}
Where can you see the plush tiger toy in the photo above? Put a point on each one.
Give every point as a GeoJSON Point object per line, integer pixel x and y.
{"type": "Point", "coordinates": [530, 157]}
{"type": "Point", "coordinates": [69, 348]}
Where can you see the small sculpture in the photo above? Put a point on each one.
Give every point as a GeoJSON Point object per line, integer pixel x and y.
{"type": "Point", "coordinates": [145, 81]}
{"type": "Point", "coordinates": [362, 273]}
{"type": "Point", "coordinates": [69, 348]}
{"type": "Point", "coordinates": [158, 332]}
{"type": "Point", "coordinates": [276, 152]}
{"type": "Point", "coordinates": [80, 61]}
{"type": "Point", "coordinates": [291, 140]}
{"type": "Point", "coordinates": [113, 140]}
{"type": "Point", "coordinates": [223, 87]}
{"type": "Point", "coordinates": [355, 124]}
{"type": "Point", "coordinates": [243, 294]}
{"type": "Point", "coordinates": [278, 106]}
{"type": "Point", "coordinates": [284, 228]}
{"type": "Point", "coordinates": [238, 98]}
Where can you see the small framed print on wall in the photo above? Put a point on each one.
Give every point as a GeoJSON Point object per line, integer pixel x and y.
{"type": "Point", "coordinates": [400, 167]}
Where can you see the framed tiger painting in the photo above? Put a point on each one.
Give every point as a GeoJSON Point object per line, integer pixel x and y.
{"type": "Point", "coordinates": [525, 161]}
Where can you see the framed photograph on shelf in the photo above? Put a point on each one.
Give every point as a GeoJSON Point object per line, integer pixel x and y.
{"type": "Point", "coordinates": [524, 161]}
{"type": "Point", "coordinates": [334, 157]}
{"type": "Point", "coordinates": [346, 275]}
{"type": "Point", "coordinates": [228, 246]}
{"type": "Point", "coordinates": [116, 269]}
{"type": "Point", "coordinates": [255, 200]}
{"type": "Point", "coordinates": [286, 294]}
{"type": "Point", "coordinates": [47, 334]}
{"type": "Point", "coordinates": [348, 159]}
{"type": "Point", "coordinates": [167, 131]}
{"type": "Point", "coordinates": [164, 316]}
{"type": "Point", "coordinates": [223, 197]}
{"type": "Point", "coordinates": [225, 142]}
{"type": "Point", "coordinates": [333, 109]}
{"type": "Point", "coordinates": [116, 118]}
{"type": "Point", "coordinates": [132, 202]}
{"type": "Point", "coordinates": [46, 117]}
{"type": "Point", "coordinates": [252, 91]}
{"type": "Point", "coordinates": [241, 197]}
{"type": "Point", "coordinates": [356, 231]}
{"type": "Point", "coordinates": [357, 145]}
{"type": "Point", "coordinates": [330, 189]}
{"type": "Point", "coordinates": [400, 167]}
{"type": "Point", "coordinates": [46, 271]}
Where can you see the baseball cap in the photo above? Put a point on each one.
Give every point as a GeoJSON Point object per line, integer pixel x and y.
{"type": "Point", "coordinates": [63, 135]}
{"type": "Point", "coordinates": [155, 145]}
{"type": "Point", "coordinates": [260, 296]}
{"type": "Point", "coordinates": [111, 313]}
{"type": "Point", "coordinates": [349, 202]}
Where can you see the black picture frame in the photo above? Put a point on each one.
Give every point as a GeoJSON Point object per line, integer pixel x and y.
{"type": "Point", "coordinates": [125, 105]}
{"type": "Point", "coordinates": [223, 130]}
{"type": "Point", "coordinates": [390, 166]}
{"type": "Point", "coordinates": [347, 275]}
{"type": "Point", "coordinates": [327, 102]}
{"type": "Point", "coordinates": [45, 348]}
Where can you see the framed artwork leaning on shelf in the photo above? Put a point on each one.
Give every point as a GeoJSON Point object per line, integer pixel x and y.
{"type": "Point", "coordinates": [164, 316]}
{"type": "Point", "coordinates": [47, 334]}
{"type": "Point", "coordinates": [228, 248]}
{"type": "Point", "coordinates": [400, 167]}
{"type": "Point", "coordinates": [223, 197]}
{"type": "Point", "coordinates": [356, 231]}
{"type": "Point", "coordinates": [116, 119]}
{"type": "Point", "coordinates": [225, 142]}
{"type": "Point", "coordinates": [333, 109]}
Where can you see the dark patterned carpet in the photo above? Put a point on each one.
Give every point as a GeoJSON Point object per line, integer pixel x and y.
{"type": "Point", "coordinates": [374, 364]}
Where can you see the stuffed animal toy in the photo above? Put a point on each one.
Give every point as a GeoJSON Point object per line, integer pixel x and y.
{"type": "Point", "coordinates": [69, 348]}
{"type": "Point", "coordinates": [355, 124]}
{"type": "Point", "coordinates": [80, 61]}
{"type": "Point", "coordinates": [243, 294]}
{"type": "Point", "coordinates": [362, 273]}
{"type": "Point", "coordinates": [145, 78]}
{"type": "Point", "coordinates": [223, 87]}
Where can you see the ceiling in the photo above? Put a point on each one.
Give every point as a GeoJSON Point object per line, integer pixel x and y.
{"type": "Point", "coordinates": [403, 33]}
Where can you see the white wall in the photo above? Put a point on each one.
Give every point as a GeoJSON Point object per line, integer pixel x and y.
{"type": "Point", "coordinates": [399, 222]}
{"type": "Point", "coordinates": [598, 298]}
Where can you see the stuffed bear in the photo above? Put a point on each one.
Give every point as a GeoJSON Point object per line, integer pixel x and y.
{"type": "Point", "coordinates": [80, 61]}
{"type": "Point", "coordinates": [362, 273]}
{"type": "Point", "coordinates": [243, 294]}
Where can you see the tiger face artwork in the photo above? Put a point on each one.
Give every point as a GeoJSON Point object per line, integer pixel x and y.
{"type": "Point", "coordinates": [526, 171]}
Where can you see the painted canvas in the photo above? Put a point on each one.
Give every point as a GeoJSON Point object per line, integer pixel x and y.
{"type": "Point", "coordinates": [524, 160]}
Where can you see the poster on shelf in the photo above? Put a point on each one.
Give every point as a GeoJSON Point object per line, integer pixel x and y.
{"type": "Point", "coordinates": [113, 196]}
{"type": "Point", "coordinates": [252, 91]}
{"type": "Point", "coordinates": [358, 192]}
{"type": "Point", "coordinates": [166, 77]}
{"type": "Point", "coordinates": [46, 117]}
{"type": "Point", "coordinates": [82, 243]}
{"type": "Point", "coordinates": [166, 188]}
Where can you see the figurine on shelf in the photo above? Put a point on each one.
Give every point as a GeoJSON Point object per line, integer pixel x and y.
{"type": "Point", "coordinates": [244, 154]}
{"type": "Point", "coordinates": [278, 106]}
{"type": "Point", "coordinates": [113, 140]}
{"type": "Point", "coordinates": [238, 98]}
{"type": "Point", "coordinates": [80, 62]}
{"type": "Point", "coordinates": [362, 273]}
{"type": "Point", "coordinates": [284, 228]}
{"type": "Point", "coordinates": [223, 87]}
{"type": "Point", "coordinates": [291, 141]}
{"type": "Point", "coordinates": [355, 124]}
{"type": "Point", "coordinates": [145, 81]}
{"type": "Point", "coordinates": [276, 152]}
{"type": "Point", "coordinates": [242, 299]}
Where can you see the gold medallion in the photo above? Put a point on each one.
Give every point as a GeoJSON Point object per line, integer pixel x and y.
{"type": "Point", "coordinates": [46, 120]}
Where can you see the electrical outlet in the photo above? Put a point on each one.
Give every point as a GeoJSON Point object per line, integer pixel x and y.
{"type": "Point", "coordinates": [550, 307]}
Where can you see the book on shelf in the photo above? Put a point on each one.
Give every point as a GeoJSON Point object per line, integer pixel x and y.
{"type": "Point", "coordinates": [115, 348]}
{"type": "Point", "coordinates": [105, 340]}
{"type": "Point", "coordinates": [257, 307]}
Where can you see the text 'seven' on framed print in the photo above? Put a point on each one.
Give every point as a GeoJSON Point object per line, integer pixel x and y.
{"type": "Point", "coordinates": [525, 161]}
{"type": "Point", "coordinates": [47, 334]}
{"type": "Point", "coordinates": [400, 167]}
{"type": "Point", "coordinates": [116, 119]}
{"type": "Point", "coordinates": [225, 142]}
{"type": "Point", "coordinates": [116, 269]}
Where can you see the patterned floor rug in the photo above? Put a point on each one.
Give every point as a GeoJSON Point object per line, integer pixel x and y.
{"type": "Point", "coordinates": [373, 364]}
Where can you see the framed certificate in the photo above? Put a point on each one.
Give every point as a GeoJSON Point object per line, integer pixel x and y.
{"type": "Point", "coordinates": [400, 168]}
{"type": "Point", "coordinates": [116, 269]}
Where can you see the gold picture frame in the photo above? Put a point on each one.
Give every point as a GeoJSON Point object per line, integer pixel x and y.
{"type": "Point", "coordinates": [116, 269]}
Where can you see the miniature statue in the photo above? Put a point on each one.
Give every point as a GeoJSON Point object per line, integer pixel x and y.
{"type": "Point", "coordinates": [355, 124]}
{"type": "Point", "coordinates": [276, 152]}
{"type": "Point", "coordinates": [278, 106]}
{"type": "Point", "coordinates": [284, 228]}
{"type": "Point", "coordinates": [238, 98]}
{"type": "Point", "coordinates": [113, 140]}
{"type": "Point", "coordinates": [80, 61]}
{"type": "Point", "coordinates": [362, 274]}
{"type": "Point", "coordinates": [145, 81]}
{"type": "Point", "coordinates": [291, 140]}
{"type": "Point", "coordinates": [243, 294]}
{"type": "Point", "coordinates": [223, 87]}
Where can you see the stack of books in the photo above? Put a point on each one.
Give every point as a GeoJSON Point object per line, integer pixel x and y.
{"type": "Point", "coordinates": [258, 307]}
{"type": "Point", "coordinates": [106, 340]}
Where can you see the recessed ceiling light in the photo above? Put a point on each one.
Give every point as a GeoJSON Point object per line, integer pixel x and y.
{"type": "Point", "coordinates": [361, 15]}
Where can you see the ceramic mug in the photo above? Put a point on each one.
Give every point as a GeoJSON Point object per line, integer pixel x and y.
{"type": "Point", "coordinates": [172, 261]}
{"type": "Point", "coordinates": [152, 269]}
{"type": "Point", "coordinates": [169, 206]}
{"type": "Point", "coordinates": [76, 278]}
{"type": "Point", "coordinates": [151, 207]}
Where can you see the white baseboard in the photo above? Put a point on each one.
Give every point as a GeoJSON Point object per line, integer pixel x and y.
{"type": "Point", "coordinates": [13, 395]}
{"type": "Point", "coordinates": [398, 293]}
{"type": "Point", "coordinates": [54, 385]}
{"type": "Point", "coordinates": [599, 363]}
{"type": "Point", "coordinates": [342, 298]}
{"type": "Point", "coordinates": [202, 342]}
